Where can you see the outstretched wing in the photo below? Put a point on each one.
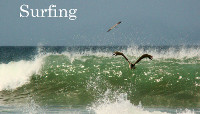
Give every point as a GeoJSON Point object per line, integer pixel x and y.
{"type": "Point", "coordinates": [119, 53]}
{"type": "Point", "coordinates": [114, 26]}
{"type": "Point", "coordinates": [144, 56]}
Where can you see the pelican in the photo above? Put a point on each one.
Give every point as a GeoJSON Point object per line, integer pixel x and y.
{"type": "Point", "coordinates": [132, 66]}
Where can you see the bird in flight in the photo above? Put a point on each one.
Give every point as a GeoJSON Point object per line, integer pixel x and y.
{"type": "Point", "coordinates": [132, 66]}
{"type": "Point", "coordinates": [114, 26]}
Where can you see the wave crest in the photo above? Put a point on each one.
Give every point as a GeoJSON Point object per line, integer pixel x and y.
{"type": "Point", "coordinates": [15, 74]}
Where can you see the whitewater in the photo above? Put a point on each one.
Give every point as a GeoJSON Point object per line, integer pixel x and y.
{"type": "Point", "coordinates": [90, 80]}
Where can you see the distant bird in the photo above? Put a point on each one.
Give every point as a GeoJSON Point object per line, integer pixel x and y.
{"type": "Point", "coordinates": [114, 26]}
{"type": "Point", "coordinates": [132, 66]}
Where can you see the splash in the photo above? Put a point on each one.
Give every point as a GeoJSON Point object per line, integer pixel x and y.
{"type": "Point", "coordinates": [15, 74]}
{"type": "Point", "coordinates": [171, 52]}
{"type": "Point", "coordinates": [121, 105]}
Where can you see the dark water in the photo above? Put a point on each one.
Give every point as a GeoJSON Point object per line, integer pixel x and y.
{"type": "Point", "coordinates": [89, 79]}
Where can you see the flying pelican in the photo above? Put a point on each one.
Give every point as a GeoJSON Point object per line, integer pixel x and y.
{"type": "Point", "coordinates": [132, 66]}
{"type": "Point", "coordinates": [114, 26]}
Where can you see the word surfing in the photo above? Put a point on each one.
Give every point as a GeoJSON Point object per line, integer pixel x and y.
{"type": "Point", "coordinates": [51, 12]}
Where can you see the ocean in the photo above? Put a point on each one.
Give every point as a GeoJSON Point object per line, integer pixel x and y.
{"type": "Point", "coordinates": [90, 80]}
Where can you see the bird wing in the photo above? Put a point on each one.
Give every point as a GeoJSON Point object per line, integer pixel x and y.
{"type": "Point", "coordinates": [144, 56]}
{"type": "Point", "coordinates": [119, 53]}
{"type": "Point", "coordinates": [114, 26]}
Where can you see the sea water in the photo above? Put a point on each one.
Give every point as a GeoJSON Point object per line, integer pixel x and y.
{"type": "Point", "coordinates": [89, 80]}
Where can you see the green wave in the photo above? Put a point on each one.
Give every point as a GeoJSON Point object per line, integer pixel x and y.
{"type": "Point", "coordinates": [83, 80]}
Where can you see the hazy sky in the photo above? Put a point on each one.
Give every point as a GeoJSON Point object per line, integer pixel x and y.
{"type": "Point", "coordinates": [144, 22]}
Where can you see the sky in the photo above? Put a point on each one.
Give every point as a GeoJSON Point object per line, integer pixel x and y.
{"type": "Point", "coordinates": [144, 22]}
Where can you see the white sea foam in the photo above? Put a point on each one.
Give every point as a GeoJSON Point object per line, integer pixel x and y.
{"type": "Point", "coordinates": [172, 52]}
{"type": "Point", "coordinates": [120, 106]}
{"type": "Point", "coordinates": [15, 74]}
{"type": "Point", "coordinates": [187, 111]}
{"type": "Point", "coordinates": [182, 52]}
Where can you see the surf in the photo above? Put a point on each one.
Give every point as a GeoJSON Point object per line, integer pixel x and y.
{"type": "Point", "coordinates": [82, 77]}
{"type": "Point", "coordinates": [15, 74]}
